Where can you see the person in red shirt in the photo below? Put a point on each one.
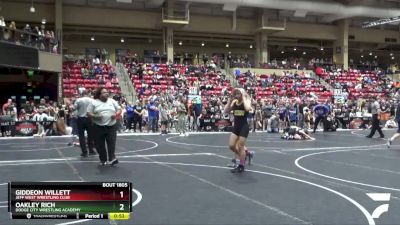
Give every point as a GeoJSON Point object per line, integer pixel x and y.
{"type": "Point", "coordinates": [6, 105]}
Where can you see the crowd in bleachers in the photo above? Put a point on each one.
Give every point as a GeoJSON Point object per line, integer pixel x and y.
{"type": "Point", "coordinates": [278, 100]}
{"type": "Point", "coordinates": [356, 83]}
{"type": "Point", "coordinates": [288, 84]}
{"type": "Point", "coordinates": [88, 75]}
{"type": "Point", "coordinates": [150, 79]}
{"type": "Point", "coordinates": [28, 35]}
{"type": "Point", "coordinates": [296, 63]}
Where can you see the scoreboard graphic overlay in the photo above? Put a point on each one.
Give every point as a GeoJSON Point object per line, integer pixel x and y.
{"type": "Point", "coordinates": [70, 200]}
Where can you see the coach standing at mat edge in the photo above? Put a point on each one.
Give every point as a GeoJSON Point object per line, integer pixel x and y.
{"type": "Point", "coordinates": [104, 112]}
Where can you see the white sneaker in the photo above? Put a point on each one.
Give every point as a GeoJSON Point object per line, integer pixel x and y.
{"type": "Point", "coordinates": [187, 134]}
{"type": "Point", "coordinates": [182, 135]}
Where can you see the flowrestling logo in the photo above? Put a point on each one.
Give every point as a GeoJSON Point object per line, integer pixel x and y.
{"type": "Point", "coordinates": [380, 197]}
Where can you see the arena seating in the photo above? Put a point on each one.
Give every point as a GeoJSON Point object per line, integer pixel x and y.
{"type": "Point", "coordinates": [73, 78]}
{"type": "Point", "coordinates": [268, 86]}
{"type": "Point", "coordinates": [160, 77]}
{"type": "Point", "coordinates": [359, 84]}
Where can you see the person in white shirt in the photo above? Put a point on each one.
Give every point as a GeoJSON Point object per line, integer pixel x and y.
{"type": "Point", "coordinates": [2, 22]}
{"type": "Point", "coordinates": [41, 117]}
{"type": "Point", "coordinates": [104, 112]}
{"type": "Point", "coordinates": [84, 124]}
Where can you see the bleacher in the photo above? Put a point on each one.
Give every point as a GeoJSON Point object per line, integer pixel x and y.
{"type": "Point", "coordinates": [73, 79]}
{"type": "Point", "coordinates": [268, 86]}
{"type": "Point", "coordinates": [161, 77]}
{"type": "Point", "coordinates": [359, 84]}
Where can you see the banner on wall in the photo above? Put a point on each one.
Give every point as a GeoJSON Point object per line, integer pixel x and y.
{"type": "Point", "coordinates": [26, 128]}
{"type": "Point", "coordinates": [21, 128]}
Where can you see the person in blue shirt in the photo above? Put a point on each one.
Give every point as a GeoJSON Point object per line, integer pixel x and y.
{"type": "Point", "coordinates": [153, 113]}
{"type": "Point", "coordinates": [282, 111]}
{"type": "Point", "coordinates": [321, 111]}
{"type": "Point", "coordinates": [292, 115]}
{"type": "Point", "coordinates": [197, 108]}
{"type": "Point", "coordinates": [130, 115]}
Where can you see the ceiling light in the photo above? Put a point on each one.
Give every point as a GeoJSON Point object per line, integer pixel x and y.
{"type": "Point", "coordinates": [322, 48]}
{"type": "Point", "coordinates": [32, 9]}
{"type": "Point", "coordinates": [92, 38]}
{"type": "Point", "coordinates": [251, 46]}
{"type": "Point", "coordinates": [370, 53]}
{"type": "Point", "coordinates": [294, 49]}
{"type": "Point", "coordinates": [122, 40]}
{"type": "Point", "coordinates": [202, 44]}
{"type": "Point", "coordinates": [227, 45]}
{"type": "Point", "coordinates": [392, 57]}
{"type": "Point", "coordinates": [180, 43]}
{"type": "Point", "coordinates": [391, 54]}
{"type": "Point", "coordinates": [362, 56]}
{"type": "Point", "coordinates": [376, 56]}
{"type": "Point", "coordinates": [43, 21]}
{"type": "Point", "coordinates": [304, 53]}
{"type": "Point", "coordinates": [283, 52]}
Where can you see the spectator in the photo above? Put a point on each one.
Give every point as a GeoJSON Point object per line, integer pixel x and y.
{"type": "Point", "coordinates": [2, 26]}
{"type": "Point", "coordinates": [2, 22]}
{"type": "Point", "coordinates": [152, 110]}
{"type": "Point", "coordinates": [6, 105]}
{"type": "Point", "coordinates": [164, 118]}
{"type": "Point", "coordinates": [130, 116]}
{"type": "Point", "coordinates": [11, 32]}
{"type": "Point", "coordinates": [182, 114]}
{"type": "Point", "coordinates": [138, 116]}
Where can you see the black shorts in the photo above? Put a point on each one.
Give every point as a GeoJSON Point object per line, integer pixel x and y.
{"type": "Point", "coordinates": [164, 122]}
{"type": "Point", "coordinates": [242, 131]}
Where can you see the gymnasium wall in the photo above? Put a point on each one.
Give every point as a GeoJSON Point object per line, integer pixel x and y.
{"type": "Point", "coordinates": [119, 18]}
{"type": "Point", "coordinates": [78, 47]}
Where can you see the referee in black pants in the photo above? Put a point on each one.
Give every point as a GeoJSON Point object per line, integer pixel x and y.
{"type": "Point", "coordinates": [375, 111]}
{"type": "Point", "coordinates": [84, 123]}
{"type": "Point", "coordinates": [105, 112]}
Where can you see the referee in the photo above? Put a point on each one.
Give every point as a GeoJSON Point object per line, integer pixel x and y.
{"type": "Point", "coordinates": [84, 123]}
{"type": "Point", "coordinates": [375, 111]}
{"type": "Point", "coordinates": [105, 112]}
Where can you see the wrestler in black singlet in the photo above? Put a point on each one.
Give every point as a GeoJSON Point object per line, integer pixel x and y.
{"type": "Point", "coordinates": [241, 127]}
